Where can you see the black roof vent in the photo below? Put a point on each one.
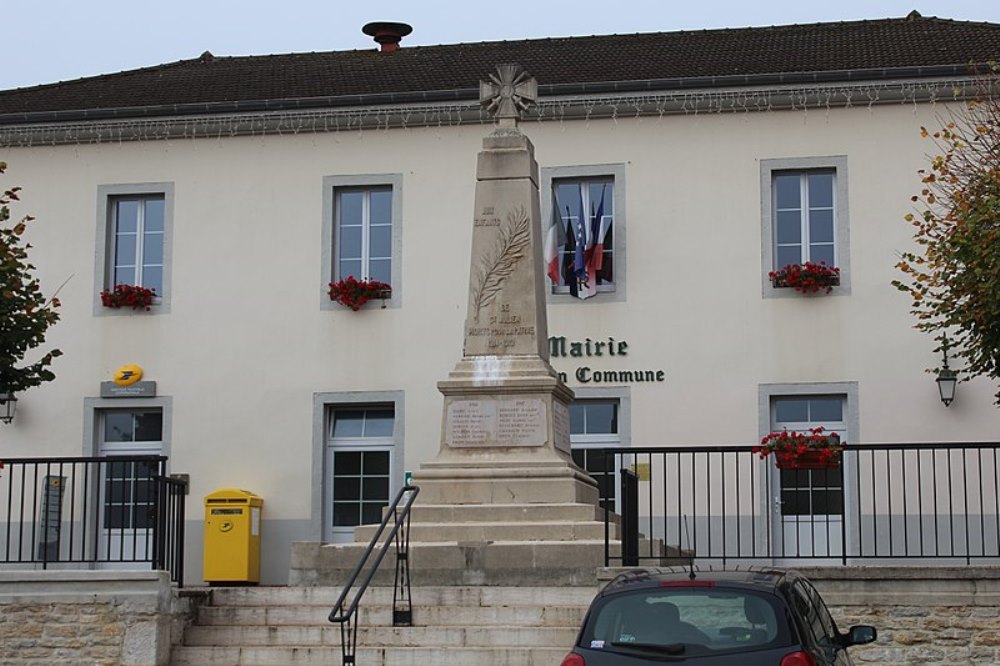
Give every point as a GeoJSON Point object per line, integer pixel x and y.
{"type": "Point", "coordinates": [387, 34]}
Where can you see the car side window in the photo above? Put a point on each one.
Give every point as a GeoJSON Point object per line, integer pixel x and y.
{"type": "Point", "coordinates": [826, 620]}
{"type": "Point", "coordinates": [806, 599]}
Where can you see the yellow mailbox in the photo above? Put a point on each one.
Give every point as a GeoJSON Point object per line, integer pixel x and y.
{"type": "Point", "coordinates": [232, 537]}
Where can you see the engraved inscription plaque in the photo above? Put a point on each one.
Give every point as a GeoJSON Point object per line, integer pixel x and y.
{"type": "Point", "coordinates": [560, 426]}
{"type": "Point", "coordinates": [480, 423]}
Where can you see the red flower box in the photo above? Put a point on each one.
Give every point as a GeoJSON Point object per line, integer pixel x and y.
{"type": "Point", "coordinates": [353, 293]}
{"type": "Point", "coordinates": [807, 278]}
{"type": "Point", "coordinates": [128, 296]}
{"type": "Point", "coordinates": [796, 450]}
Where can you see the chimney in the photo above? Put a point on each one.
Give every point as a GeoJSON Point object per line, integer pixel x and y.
{"type": "Point", "coordinates": [387, 34]}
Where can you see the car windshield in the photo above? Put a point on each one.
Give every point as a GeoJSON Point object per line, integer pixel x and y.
{"type": "Point", "coordinates": [688, 621]}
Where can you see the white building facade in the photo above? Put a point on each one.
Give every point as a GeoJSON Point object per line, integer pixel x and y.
{"type": "Point", "coordinates": [241, 219]}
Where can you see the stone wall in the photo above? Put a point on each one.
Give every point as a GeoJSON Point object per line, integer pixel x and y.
{"type": "Point", "coordinates": [935, 615]}
{"type": "Point", "coordinates": [87, 617]}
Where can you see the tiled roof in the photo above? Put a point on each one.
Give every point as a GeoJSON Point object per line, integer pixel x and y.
{"type": "Point", "coordinates": [912, 42]}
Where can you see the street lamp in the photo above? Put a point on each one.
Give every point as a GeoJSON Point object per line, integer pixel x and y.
{"type": "Point", "coordinates": [947, 378]}
{"type": "Point", "coordinates": [8, 403]}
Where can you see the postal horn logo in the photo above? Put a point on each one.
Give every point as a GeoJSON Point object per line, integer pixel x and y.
{"type": "Point", "coordinates": [127, 375]}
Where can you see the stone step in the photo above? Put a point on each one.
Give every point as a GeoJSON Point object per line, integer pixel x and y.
{"type": "Point", "coordinates": [415, 656]}
{"type": "Point", "coordinates": [498, 531]}
{"type": "Point", "coordinates": [447, 636]}
{"type": "Point", "coordinates": [377, 615]}
{"type": "Point", "coordinates": [503, 513]}
{"type": "Point", "coordinates": [426, 596]}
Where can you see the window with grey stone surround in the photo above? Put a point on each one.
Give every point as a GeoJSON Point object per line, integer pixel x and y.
{"type": "Point", "coordinates": [134, 241]}
{"type": "Point", "coordinates": [804, 217]}
{"type": "Point", "coordinates": [595, 193]}
{"type": "Point", "coordinates": [362, 233]}
{"type": "Point", "coordinates": [357, 459]}
{"type": "Point", "coordinates": [599, 418]}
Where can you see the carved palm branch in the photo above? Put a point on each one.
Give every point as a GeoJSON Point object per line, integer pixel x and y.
{"type": "Point", "coordinates": [496, 266]}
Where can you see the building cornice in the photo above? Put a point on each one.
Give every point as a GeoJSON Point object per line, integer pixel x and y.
{"type": "Point", "coordinates": [448, 108]}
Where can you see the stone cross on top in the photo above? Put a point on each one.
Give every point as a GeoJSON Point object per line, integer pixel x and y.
{"type": "Point", "coordinates": [508, 92]}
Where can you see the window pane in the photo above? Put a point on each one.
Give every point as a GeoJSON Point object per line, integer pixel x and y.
{"type": "Point", "coordinates": [602, 191]}
{"type": "Point", "coordinates": [349, 207]}
{"type": "Point", "coordinates": [124, 276]}
{"type": "Point", "coordinates": [602, 418]}
{"type": "Point", "coordinates": [380, 210]}
{"type": "Point", "coordinates": [346, 487]}
{"type": "Point", "coordinates": [349, 268]}
{"type": "Point", "coordinates": [152, 278]}
{"type": "Point", "coordinates": [376, 462]}
{"type": "Point", "coordinates": [826, 409]}
{"type": "Point", "coordinates": [786, 191]}
{"type": "Point", "coordinates": [380, 241]}
{"type": "Point", "coordinates": [381, 270]}
{"type": "Point", "coordinates": [568, 200]}
{"type": "Point", "coordinates": [346, 462]}
{"type": "Point", "coordinates": [789, 227]}
{"type": "Point", "coordinates": [350, 242]}
{"type": "Point", "coordinates": [821, 253]}
{"type": "Point", "coordinates": [346, 514]}
{"type": "Point", "coordinates": [578, 455]}
{"type": "Point", "coordinates": [788, 254]}
{"type": "Point", "coordinates": [348, 423]}
{"type": "Point", "coordinates": [152, 249]}
{"type": "Point", "coordinates": [576, 419]}
{"type": "Point", "coordinates": [149, 427]}
{"type": "Point", "coordinates": [599, 462]}
{"type": "Point", "coordinates": [820, 226]}
{"type": "Point", "coordinates": [127, 216]}
{"type": "Point", "coordinates": [371, 512]}
{"type": "Point", "coordinates": [153, 220]}
{"type": "Point", "coordinates": [821, 190]}
{"type": "Point", "coordinates": [794, 502]}
{"type": "Point", "coordinates": [791, 409]}
{"type": "Point", "coordinates": [118, 427]}
{"type": "Point", "coordinates": [125, 249]}
{"type": "Point", "coordinates": [375, 488]}
{"type": "Point", "coordinates": [378, 423]}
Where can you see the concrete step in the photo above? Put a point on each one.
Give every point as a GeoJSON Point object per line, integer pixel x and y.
{"type": "Point", "coordinates": [304, 636]}
{"type": "Point", "coordinates": [376, 615]}
{"type": "Point", "coordinates": [498, 531]}
{"type": "Point", "coordinates": [416, 656]}
{"type": "Point", "coordinates": [426, 596]}
{"type": "Point", "coordinates": [477, 513]}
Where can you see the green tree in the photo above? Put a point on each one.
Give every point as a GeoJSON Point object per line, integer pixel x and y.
{"type": "Point", "coordinates": [954, 275]}
{"type": "Point", "coordinates": [25, 314]}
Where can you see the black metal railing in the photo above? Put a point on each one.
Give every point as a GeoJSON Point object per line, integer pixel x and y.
{"type": "Point", "coordinates": [402, 602]}
{"type": "Point", "coordinates": [936, 502]}
{"type": "Point", "coordinates": [113, 511]}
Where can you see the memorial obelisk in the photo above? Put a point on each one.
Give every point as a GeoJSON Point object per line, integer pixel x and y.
{"type": "Point", "coordinates": [505, 427]}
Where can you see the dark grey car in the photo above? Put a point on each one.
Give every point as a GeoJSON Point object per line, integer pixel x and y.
{"type": "Point", "coordinates": [766, 617]}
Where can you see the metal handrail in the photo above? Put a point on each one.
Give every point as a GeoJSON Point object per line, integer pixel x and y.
{"type": "Point", "coordinates": [400, 535]}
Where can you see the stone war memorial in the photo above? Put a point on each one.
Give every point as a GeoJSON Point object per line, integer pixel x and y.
{"type": "Point", "coordinates": [502, 503]}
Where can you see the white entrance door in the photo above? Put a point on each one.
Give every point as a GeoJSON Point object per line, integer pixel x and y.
{"type": "Point", "coordinates": [808, 504]}
{"type": "Point", "coordinates": [127, 487]}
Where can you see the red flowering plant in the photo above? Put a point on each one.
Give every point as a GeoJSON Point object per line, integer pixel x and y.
{"type": "Point", "coordinates": [353, 293]}
{"type": "Point", "coordinates": [795, 449]}
{"type": "Point", "coordinates": [128, 296]}
{"type": "Point", "coordinates": [807, 278]}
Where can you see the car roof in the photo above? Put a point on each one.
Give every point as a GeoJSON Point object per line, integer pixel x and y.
{"type": "Point", "coordinates": [760, 579]}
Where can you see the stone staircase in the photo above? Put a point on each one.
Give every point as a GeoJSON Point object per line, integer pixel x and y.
{"type": "Point", "coordinates": [484, 626]}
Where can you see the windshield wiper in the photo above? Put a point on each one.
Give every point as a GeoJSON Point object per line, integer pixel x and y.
{"type": "Point", "coordinates": [661, 648]}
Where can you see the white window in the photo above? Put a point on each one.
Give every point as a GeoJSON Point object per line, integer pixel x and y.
{"type": "Point", "coordinates": [594, 425]}
{"type": "Point", "coordinates": [804, 217]}
{"type": "Point", "coordinates": [584, 210]}
{"type": "Point", "coordinates": [359, 467]}
{"type": "Point", "coordinates": [364, 233]}
{"type": "Point", "coordinates": [137, 241]}
{"type": "Point", "coordinates": [134, 240]}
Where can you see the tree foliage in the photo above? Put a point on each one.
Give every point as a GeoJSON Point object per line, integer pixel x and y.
{"type": "Point", "coordinates": [954, 276]}
{"type": "Point", "coordinates": [25, 314]}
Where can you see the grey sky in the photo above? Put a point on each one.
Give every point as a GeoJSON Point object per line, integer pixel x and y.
{"type": "Point", "coordinates": [56, 40]}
